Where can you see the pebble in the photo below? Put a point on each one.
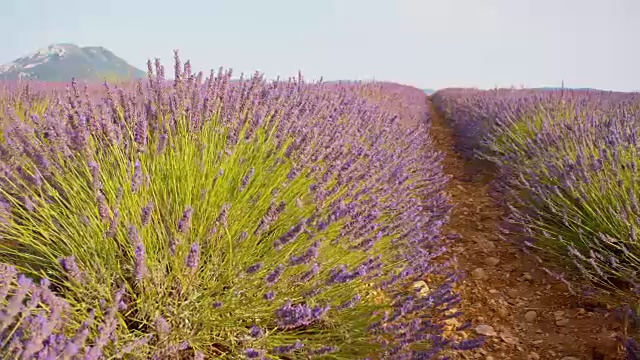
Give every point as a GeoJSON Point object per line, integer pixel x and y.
{"type": "Point", "coordinates": [533, 356]}
{"type": "Point", "coordinates": [508, 338]}
{"type": "Point", "coordinates": [479, 273]}
{"type": "Point", "coordinates": [562, 322]}
{"type": "Point", "coordinates": [569, 358]}
{"type": "Point", "coordinates": [558, 314]}
{"type": "Point", "coordinates": [452, 322]}
{"type": "Point", "coordinates": [422, 287]}
{"type": "Point", "coordinates": [492, 261]}
{"type": "Point", "coordinates": [530, 315]}
{"type": "Point", "coordinates": [486, 330]}
{"type": "Point", "coordinates": [503, 312]}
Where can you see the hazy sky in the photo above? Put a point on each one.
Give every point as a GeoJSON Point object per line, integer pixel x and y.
{"type": "Point", "coordinates": [426, 43]}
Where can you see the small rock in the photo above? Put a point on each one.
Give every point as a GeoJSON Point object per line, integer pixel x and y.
{"type": "Point", "coordinates": [562, 322]}
{"type": "Point", "coordinates": [486, 330]}
{"type": "Point", "coordinates": [492, 261]}
{"type": "Point", "coordinates": [502, 312]}
{"type": "Point", "coordinates": [419, 284]}
{"type": "Point", "coordinates": [479, 273]}
{"type": "Point", "coordinates": [558, 314]}
{"type": "Point", "coordinates": [422, 287]}
{"type": "Point", "coordinates": [489, 357]}
{"type": "Point", "coordinates": [508, 338]}
{"type": "Point", "coordinates": [533, 356]}
{"type": "Point", "coordinates": [452, 322]}
{"type": "Point", "coordinates": [485, 244]}
{"type": "Point", "coordinates": [513, 293]}
{"type": "Point", "coordinates": [530, 315]}
{"type": "Point", "coordinates": [569, 358]}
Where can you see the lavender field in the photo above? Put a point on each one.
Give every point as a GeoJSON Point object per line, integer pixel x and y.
{"type": "Point", "coordinates": [205, 218]}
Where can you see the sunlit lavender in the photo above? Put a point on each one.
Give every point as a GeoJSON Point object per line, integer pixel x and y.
{"type": "Point", "coordinates": [209, 218]}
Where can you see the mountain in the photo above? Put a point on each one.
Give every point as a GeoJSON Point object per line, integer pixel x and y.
{"type": "Point", "coordinates": [61, 62]}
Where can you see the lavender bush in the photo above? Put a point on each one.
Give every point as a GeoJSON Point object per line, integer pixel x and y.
{"type": "Point", "coordinates": [232, 219]}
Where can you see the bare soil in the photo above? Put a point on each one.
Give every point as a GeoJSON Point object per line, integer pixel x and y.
{"type": "Point", "coordinates": [525, 313]}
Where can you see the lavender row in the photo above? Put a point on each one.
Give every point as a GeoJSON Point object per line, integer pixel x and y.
{"type": "Point", "coordinates": [568, 163]}
{"type": "Point", "coordinates": [210, 218]}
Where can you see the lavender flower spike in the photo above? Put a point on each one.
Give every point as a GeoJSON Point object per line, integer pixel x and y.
{"type": "Point", "coordinates": [193, 258]}
{"type": "Point", "coordinates": [140, 261]}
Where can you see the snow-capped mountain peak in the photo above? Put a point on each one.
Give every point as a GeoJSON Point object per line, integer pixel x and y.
{"type": "Point", "coordinates": [37, 58]}
{"type": "Point", "coordinates": [53, 50]}
{"type": "Point", "coordinates": [61, 61]}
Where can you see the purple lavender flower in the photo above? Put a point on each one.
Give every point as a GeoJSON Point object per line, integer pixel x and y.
{"type": "Point", "coordinates": [293, 316]}
{"type": "Point", "coordinates": [145, 216]}
{"type": "Point", "coordinates": [162, 143]}
{"type": "Point", "coordinates": [103, 208]}
{"type": "Point", "coordinates": [309, 274]}
{"type": "Point", "coordinates": [253, 354]}
{"type": "Point", "coordinates": [323, 350]}
{"type": "Point", "coordinates": [173, 245]}
{"type": "Point", "coordinates": [94, 169]}
{"type": "Point", "coordinates": [162, 326]}
{"type": "Point", "coordinates": [224, 212]}
{"type": "Point", "coordinates": [287, 349]}
{"type": "Point", "coordinates": [274, 276]}
{"type": "Point", "coordinates": [193, 257]}
{"type": "Point", "coordinates": [70, 266]}
{"type": "Point", "coordinates": [270, 217]}
{"type": "Point", "coordinates": [246, 179]}
{"type": "Point", "coordinates": [307, 256]}
{"type": "Point", "coordinates": [137, 178]}
{"type": "Point", "coordinates": [269, 295]}
{"type": "Point", "coordinates": [255, 331]}
{"type": "Point", "coordinates": [185, 221]}
{"type": "Point", "coordinates": [113, 224]}
{"type": "Point", "coordinates": [254, 268]}
{"type": "Point", "coordinates": [140, 262]}
{"type": "Point", "coordinates": [290, 236]}
{"type": "Point", "coordinates": [140, 132]}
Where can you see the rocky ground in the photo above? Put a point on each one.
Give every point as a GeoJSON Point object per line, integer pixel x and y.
{"type": "Point", "coordinates": [523, 311]}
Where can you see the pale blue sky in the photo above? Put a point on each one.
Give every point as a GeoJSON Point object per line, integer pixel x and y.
{"type": "Point", "coordinates": [429, 44]}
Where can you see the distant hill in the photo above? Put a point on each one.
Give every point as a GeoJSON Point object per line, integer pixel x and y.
{"type": "Point", "coordinates": [61, 62]}
{"type": "Point", "coordinates": [567, 88]}
{"type": "Point", "coordinates": [555, 88]}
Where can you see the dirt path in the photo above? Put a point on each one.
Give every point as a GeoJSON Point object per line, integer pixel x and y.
{"type": "Point", "coordinates": [526, 314]}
